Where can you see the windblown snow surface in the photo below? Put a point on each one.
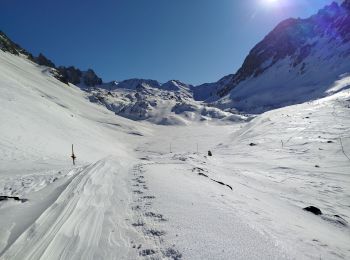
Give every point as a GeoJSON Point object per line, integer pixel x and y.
{"type": "Point", "coordinates": [144, 191]}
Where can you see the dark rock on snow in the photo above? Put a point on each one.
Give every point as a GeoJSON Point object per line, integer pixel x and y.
{"type": "Point", "coordinates": [12, 197]}
{"type": "Point", "coordinates": [313, 210]}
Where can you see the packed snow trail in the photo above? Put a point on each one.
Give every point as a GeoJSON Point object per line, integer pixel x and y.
{"type": "Point", "coordinates": [86, 222]}
{"type": "Point", "coordinates": [189, 211]}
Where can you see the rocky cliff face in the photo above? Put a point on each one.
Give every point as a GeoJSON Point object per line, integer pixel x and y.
{"type": "Point", "coordinates": [84, 79]}
{"type": "Point", "coordinates": [43, 61]}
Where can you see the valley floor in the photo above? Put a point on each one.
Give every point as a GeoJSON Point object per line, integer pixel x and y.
{"type": "Point", "coordinates": [168, 200]}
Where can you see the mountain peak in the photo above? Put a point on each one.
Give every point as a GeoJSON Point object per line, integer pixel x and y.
{"type": "Point", "coordinates": [295, 39]}
{"type": "Point", "coordinates": [346, 4]}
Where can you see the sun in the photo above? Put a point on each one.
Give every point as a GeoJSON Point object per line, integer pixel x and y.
{"type": "Point", "coordinates": [270, 2]}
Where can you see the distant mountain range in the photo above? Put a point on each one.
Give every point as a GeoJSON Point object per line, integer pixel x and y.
{"type": "Point", "coordinates": [297, 61]}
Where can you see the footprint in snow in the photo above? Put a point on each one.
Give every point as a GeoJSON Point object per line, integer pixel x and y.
{"type": "Point", "coordinates": [155, 216]}
{"type": "Point", "coordinates": [147, 252]}
{"type": "Point", "coordinates": [154, 232]}
{"type": "Point", "coordinates": [172, 253]}
{"type": "Point", "coordinates": [138, 223]}
{"type": "Point", "coordinates": [149, 197]}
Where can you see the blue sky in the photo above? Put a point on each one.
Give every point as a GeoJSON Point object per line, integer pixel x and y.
{"type": "Point", "coordinates": [195, 41]}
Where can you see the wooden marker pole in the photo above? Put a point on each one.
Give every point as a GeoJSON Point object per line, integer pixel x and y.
{"type": "Point", "coordinates": [73, 156]}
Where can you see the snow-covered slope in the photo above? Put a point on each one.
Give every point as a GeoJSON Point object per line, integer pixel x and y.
{"type": "Point", "coordinates": [298, 61]}
{"type": "Point", "coordinates": [165, 104]}
{"type": "Point", "coordinates": [41, 117]}
{"type": "Point", "coordinates": [291, 158]}
{"type": "Point", "coordinates": [281, 162]}
{"type": "Point", "coordinates": [151, 191]}
{"type": "Point", "coordinates": [143, 191]}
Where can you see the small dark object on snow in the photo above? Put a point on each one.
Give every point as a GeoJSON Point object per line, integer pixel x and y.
{"type": "Point", "coordinates": [12, 197]}
{"type": "Point", "coordinates": [202, 174]}
{"type": "Point", "coordinates": [329, 142]}
{"type": "Point", "coordinates": [229, 186]}
{"type": "Point", "coordinates": [252, 144]}
{"type": "Point", "coordinates": [209, 153]}
{"type": "Point", "coordinates": [221, 183]}
{"type": "Point", "coordinates": [197, 169]}
{"type": "Point", "coordinates": [313, 210]}
{"type": "Point", "coordinates": [317, 166]}
{"type": "Point", "coordinates": [3, 198]}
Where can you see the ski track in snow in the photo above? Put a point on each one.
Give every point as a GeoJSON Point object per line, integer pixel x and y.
{"type": "Point", "coordinates": [86, 222]}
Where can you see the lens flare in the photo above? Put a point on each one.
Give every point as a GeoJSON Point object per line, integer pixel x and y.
{"type": "Point", "coordinates": [271, 2]}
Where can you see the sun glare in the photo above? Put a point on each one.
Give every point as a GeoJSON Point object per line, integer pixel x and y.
{"type": "Point", "coordinates": [271, 2]}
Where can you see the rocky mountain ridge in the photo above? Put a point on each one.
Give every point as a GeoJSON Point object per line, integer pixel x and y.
{"type": "Point", "coordinates": [64, 74]}
{"type": "Point", "coordinates": [296, 62]}
{"type": "Point", "coordinates": [300, 56]}
{"type": "Point", "coordinates": [171, 103]}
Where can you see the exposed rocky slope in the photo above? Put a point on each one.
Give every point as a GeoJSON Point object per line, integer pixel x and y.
{"type": "Point", "coordinates": [64, 74]}
{"type": "Point", "coordinates": [7, 45]}
{"type": "Point", "coordinates": [296, 62]}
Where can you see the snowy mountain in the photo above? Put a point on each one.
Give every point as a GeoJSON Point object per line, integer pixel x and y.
{"type": "Point", "coordinates": [133, 84]}
{"type": "Point", "coordinates": [141, 191]}
{"type": "Point", "coordinates": [274, 186]}
{"type": "Point", "coordinates": [169, 103]}
{"type": "Point", "coordinates": [296, 62]}
{"type": "Point", "coordinates": [166, 104]}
